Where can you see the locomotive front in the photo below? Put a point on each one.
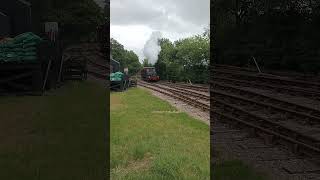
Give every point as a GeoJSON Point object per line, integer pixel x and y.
{"type": "Point", "coordinates": [149, 74]}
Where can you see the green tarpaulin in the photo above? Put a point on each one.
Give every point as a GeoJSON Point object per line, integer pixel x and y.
{"type": "Point", "coordinates": [118, 76]}
{"type": "Point", "coordinates": [20, 48]}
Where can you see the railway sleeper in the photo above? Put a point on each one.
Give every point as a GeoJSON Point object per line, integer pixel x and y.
{"type": "Point", "coordinates": [183, 98]}
{"type": "Point", "coordinates": [197, 95]}
{"type": "Point", "coordinates": [278, 88]}
{"type": "Point", "coordinates": [274, 137]}
{"type": "Point", "coordinates": [267, 99]}
{"type": "Point", "coordinates": [265, 123]}
{"type": "Point", "coordinates": [202, 89]}
{"type": "Point", "coordinates": [282, 113]}
{"type": "Point", "coordinates": [268, 79]}
{"type": "Point", "coordinates": [181, 90]}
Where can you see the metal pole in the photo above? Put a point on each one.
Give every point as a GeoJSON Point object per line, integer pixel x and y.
{"type": "Point", "coordinates": [256, 64]}
{"type": "Point", "coordinates": [46, 77]}
{"type": "Point", "coordinates": [60, 70]}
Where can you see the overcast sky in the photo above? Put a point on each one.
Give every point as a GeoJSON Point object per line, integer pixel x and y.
{"type": "Point", "coordinates": [133, 21]}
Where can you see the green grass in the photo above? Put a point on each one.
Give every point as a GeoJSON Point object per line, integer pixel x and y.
{"type": "Point", "coordinates": [235, 170]}
{"type": "Point", "coordinates": [57, 136]}
{"type": "Point", "coordinates": [148, 144]}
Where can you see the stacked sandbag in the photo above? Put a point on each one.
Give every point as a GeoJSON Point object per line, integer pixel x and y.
{"type": "Point", "coordinates": [21, 48]}
{"type": "Point", "coordinates": [118, 76]}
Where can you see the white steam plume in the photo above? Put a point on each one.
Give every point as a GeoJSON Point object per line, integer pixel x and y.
{"type": "Point", "coordinates": [152, 48]}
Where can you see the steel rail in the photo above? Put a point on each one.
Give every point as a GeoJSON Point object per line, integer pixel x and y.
{"type": "Point", "coordinates": [179, 96]}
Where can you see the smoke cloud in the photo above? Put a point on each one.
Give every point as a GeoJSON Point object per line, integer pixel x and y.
{"type": "Point", "coordinates": [152, 48]}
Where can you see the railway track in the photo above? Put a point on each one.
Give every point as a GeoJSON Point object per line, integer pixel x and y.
{"type": "Point", "coordinates": [308, 93]}
{"type": "Point", "coordinates": [300, 142]}
{"type": "Point", "coordinates": [275, 83]}
{"type": "Point", "coordinates": [187, 86]}
{"type": "Point", "coordinates": [248, 115]}
{"type": "Point", "coordinates": [186, 97]}
{"type": "Point", "coordinates": [235, 68]}
{"type": "Point", "coordinates": [267, 100]}
{"type": "Point", "coordinates": [279, 122]}
{"type": "Point", "coordinates": [309, 115]}
{"type": "Point", "coordinates": [279, 141]}
{"type": "Point", "coordinates": [230, 107]}
{"type": "Point", "coordinates": [295, 112]}
{"type": "Point", "coordinates": [291, 75]}
{"type": "Point", "coordinates": [182, 91]}
{"type": "Point", "coordinates": [262, 149]}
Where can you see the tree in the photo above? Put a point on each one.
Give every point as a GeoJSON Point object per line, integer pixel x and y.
{"type": "Point", "coordinates": [77, 19]}
{"type": "Point", "coordinates": [165, 59]}
{"type": "Point", "coordinates": [193, 56]}
{"type": "Point", "coordinates": [282, 35]}
{"type": "Point", "coordinates": [117, 50]}
{"type": "Point", "coordinates": [126, 58]}
{"type": "Point", "coordinates": [185, 59]}
{"type": "Point", "coordinates": [132, 62]}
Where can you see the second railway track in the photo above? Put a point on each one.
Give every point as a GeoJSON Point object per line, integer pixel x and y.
{"type": "Point", "coordinates": [243, 100]}
{"type": "Point", "coordinates": [264, 81]}
{"type": "Point", "coordinates": [229, 108]}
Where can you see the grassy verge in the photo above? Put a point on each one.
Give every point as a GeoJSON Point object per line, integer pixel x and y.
{"type": "Point", "coordinates": [148, 141]}
{"type": "Point", "coordinates": [57, 136]}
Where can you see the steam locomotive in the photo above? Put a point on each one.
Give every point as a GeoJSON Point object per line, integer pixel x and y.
{"type": "Point", "coordinates": [149, 74]}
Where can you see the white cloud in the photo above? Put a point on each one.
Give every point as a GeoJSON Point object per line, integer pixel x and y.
{"type": "Point", "coordinates": [132, 22]}
{"type": "Point", "coordinates": [131, 37]}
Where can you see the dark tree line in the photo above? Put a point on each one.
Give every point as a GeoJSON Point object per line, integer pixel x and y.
{"type": "Point", "coordinates": [280, 34]}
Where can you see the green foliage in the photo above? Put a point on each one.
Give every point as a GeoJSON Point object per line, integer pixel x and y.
{"type": "Point", "coordinates": [126, 58]}
{"type": "Point", "coordinates": [186, 59]}
{"type": "Point", "coordinates": [85, 12]}
{"type": "Point", "coordinates": [117, 50]}
{"type": "Point", "coordinates": [77, 19]}
{"type": "Point", "coordinates": [281, 35]}
{"type": "Point", "coordinates": [132, 61]}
